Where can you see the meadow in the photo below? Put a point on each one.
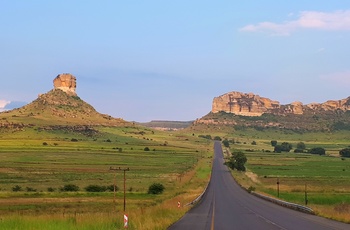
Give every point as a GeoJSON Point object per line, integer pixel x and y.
{"type": "Point", "coordinates": [323, 182]}
{"type": "Point", "coordinates": [39, 163]}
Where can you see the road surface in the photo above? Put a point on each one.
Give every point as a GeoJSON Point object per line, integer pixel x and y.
{"type": "Point", "coordinates": [225, 205]}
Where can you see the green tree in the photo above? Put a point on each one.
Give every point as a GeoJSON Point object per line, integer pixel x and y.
{"type": "Point", "coordinates": [70, 188]}
{"type": "Point", "coordinates": [318, 150]}
{"type": "Point", "coordinates": [345, 152]}
{"type": "Point", "coordinates": [237, 161]}
{"type": "Point", "coordinates": [217, 138]}
{"type": "Point", "coordinates": [301, 146]}
{"type": "Point", "coordinates": [226, 143]}
{"type": "Point", "coordinates": [156, 188]}
{"type": "Point", "coordinates": [273, 143]}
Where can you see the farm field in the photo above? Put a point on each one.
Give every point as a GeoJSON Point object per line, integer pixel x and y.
{"type": "Point", "coordinates": [324, 181]}
{"type": "Point", "coordinates": [36, 166]}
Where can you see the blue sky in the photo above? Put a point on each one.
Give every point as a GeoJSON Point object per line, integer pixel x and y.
{"type": "Point", "coordinates": [146, 60]}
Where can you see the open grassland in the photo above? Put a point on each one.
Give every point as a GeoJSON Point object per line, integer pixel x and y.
{"type": "Point", "coordinates": [324, 181]}
{"type": "Point", "coordinates": [41, 162]}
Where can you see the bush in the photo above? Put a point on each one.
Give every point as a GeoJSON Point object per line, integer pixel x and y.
{"type": "Point", "coordinates": [217, 138]}
{"type": "Point", "coordinates": [70, 188]}
{"type": "Point", "coordinates": [273, 143]}
{"type": "Point", "coordinates": [156, 188]}
{"type": "Point", "coordinates": [45, 143]}
{"type": "Point", "coordinates": [146, 149]}
{"type": "Point", "coordinates": [95, 188]}
{"type": "Point", "coordinates": [30, 189]}
{"type": "Point", "coordinates": [17, 188]}
{"type": "Point", "coordinates": [50, 189]}
{"type": "Point", "coordinates": [345, 152]}
{"type": "Point", "coordinates": [253, 142]}
{"type": "Point", "coordinates": [74, 140]}
{"type": "Point", "coordinates": [226, 143]}
{"type": "Point", "coordinates": [318, 150]}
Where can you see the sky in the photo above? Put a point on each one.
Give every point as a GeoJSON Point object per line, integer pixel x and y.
{"type": "Point", "coordinates": [167, 60]}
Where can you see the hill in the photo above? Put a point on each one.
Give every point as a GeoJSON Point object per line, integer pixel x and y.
{"type": "Point", "coordinates": [240, 111]}
{"type": "Point", "coordinates": [57, 108]}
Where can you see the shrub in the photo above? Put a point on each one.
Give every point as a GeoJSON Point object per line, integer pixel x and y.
{"type": "Point", "coordinates": [146, 149]}
{"type": "Point", "coordinates": [156, 188]}
{"type": "Point", "coordinates": [70, 188]}
{"type": "Point", "coordinates": [111, 188]}
{"type": "Point", "coordinates": [217, 138]}
{"type": "Point", "coordinates": [95, 188]}
{"type": "Point", "coordinates": [30, 189]}
{"type": "Point", "coordinates": [318, 150]}
{"type": "Point", "coordinates": [74, 140]}
{"type": "Point", "coordinates": [50, 189]}
{"type": "Point", "coordinates": [226, 143]}
{"type": "Point", "coordinates": [45, 143]}
{"type": "Point", "coordinates": [273, 143]}
{"type": "Point", "coordinates": [253, 142]}
{"type": "Point", "coordinates": [345, 152]}
{"type": "Point", "coordinates": [16, 188]}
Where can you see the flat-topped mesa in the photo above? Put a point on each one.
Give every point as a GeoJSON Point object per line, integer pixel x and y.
{"type": "Point", "coordinates": [249, 104]}
{"type": "Point", "coordinates": [65, 82]}
{"type": "Point", "coordinates": [246, 104]}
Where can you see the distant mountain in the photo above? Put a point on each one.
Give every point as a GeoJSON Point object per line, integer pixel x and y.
{"type": "Point", "coordinates": [241, 110]}
{"type": "Point", "coordinates": [60, 106]}
{"type": "Point", "coordinates": [14, 105]}
{"type": "Point", "coordinates": [167, 125]}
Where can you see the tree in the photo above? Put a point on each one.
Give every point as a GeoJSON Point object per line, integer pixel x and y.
{"type": "Point", "coordinates": [284, 147]}
{"type": "Point", "coordinates": [146, 149]}
{"type": "Point", "coordinates": [70, 188]}
{"type": "Point", "coordinates": [226, 143]}
{"type": "Point", "coordinates": [318, 150]}
{"type": "Point", "coordinates": [253, 142]}
{"type": "Point", "coordinates": [156, 188]}
{"type": "Point", "coordinates": [273, 143]}
{"type": "Point", "coordinates": [237, 161]}
{"type": "Point", "coordinates": [345, 152]}
{"type": "Point", "coordinates": [301, 146]}
{"type": "Point", "coordinates": [217, 138]}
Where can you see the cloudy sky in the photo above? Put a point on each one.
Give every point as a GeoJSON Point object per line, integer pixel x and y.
{"type": "Point", "coordinates": [145, 60]}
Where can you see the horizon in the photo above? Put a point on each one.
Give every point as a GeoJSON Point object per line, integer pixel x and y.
{"type": "Point", "coordinates": [168, 60]}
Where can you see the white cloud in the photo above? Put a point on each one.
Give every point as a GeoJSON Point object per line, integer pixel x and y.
{"type": "Point", "coordinates": [339, 78]}
{"type": "Point", "coordinates": [3, 103]}
{"type": "Point", "coordinates": [337, 20]}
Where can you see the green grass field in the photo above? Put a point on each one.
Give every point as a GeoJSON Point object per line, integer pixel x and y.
{"type": "Point", "coordinates": [39, 161]}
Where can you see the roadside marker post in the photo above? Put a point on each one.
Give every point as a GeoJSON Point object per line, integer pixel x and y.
{"type": "Point", "coordinates": [178, 204]}
{"type": "Point", "coordinates": [126, 220]}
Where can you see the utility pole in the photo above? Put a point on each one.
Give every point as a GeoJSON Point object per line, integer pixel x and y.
{"type": "Point", "coordinates": [278, 187]}
{"type": "Point", "coordinates": [120, 169]}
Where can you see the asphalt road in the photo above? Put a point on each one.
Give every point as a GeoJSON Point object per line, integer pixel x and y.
{"type": "Point", "coordinates": [225, 205]}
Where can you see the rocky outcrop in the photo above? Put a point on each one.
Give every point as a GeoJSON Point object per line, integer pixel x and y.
{"type": "Point", "coordinates": [246, 104]}
{"type": "Point", "coordinates": [249, 104]}
{"type": "Point", "coordinates": [65, 82]}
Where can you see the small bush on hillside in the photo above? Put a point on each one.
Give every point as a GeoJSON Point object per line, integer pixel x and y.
{"type": "Point", "coordinates": [45, 143]}
{"type": "Point", "coordinates": [253, 142]}
{"type": "Point", "coordinates": [318, 150]}
{"type": "Point", "coordinates": [217, 138]}
{"type": "Point", "coordinates": [70, 188]}
{"type": "Point", "coordinates": [95, 188]}
{"type": "Point", "coordinates": [156, 188]}
{"type": "Point", "coordinates": [345, 152]}
{"type": "Point", "coordinates": [74, 140]}
{"type": "Point", "coordinates": [17, 188]}
{"type": "Point", "coordinates": [146, 149]}
{"type": "Point", "coordinates": [50, 189]}
{"type": "Point", "coordinates": [30, 189]}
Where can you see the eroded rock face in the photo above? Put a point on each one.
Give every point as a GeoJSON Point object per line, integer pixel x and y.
{"type": "Point", "coordinates": [65, 82]}
{"type": "Point", "coordinates": [248, 104]}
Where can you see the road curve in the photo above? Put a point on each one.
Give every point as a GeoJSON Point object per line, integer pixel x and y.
{"type": "Point", "coordinates": [225, 205]}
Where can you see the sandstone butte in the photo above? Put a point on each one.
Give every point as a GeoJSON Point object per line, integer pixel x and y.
{"type": "Point", "coordinates": [66, 82]}
{"type": "Point", "coordinates": [249, 104]}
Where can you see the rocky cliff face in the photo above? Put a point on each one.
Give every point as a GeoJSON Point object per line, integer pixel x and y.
{"type": "Point", "coordinates": [66, 82]}
{"type": "Point", "coordinates": [248, 104]}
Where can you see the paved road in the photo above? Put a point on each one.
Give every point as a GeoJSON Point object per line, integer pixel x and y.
{"type": "Point", "coordinates": [226, 206]}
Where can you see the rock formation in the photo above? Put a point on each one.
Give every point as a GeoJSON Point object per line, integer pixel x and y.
{"type": "Point", "coordinates": [65, 82]}
{"type": "Point", "coordinates": [248, 104]}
